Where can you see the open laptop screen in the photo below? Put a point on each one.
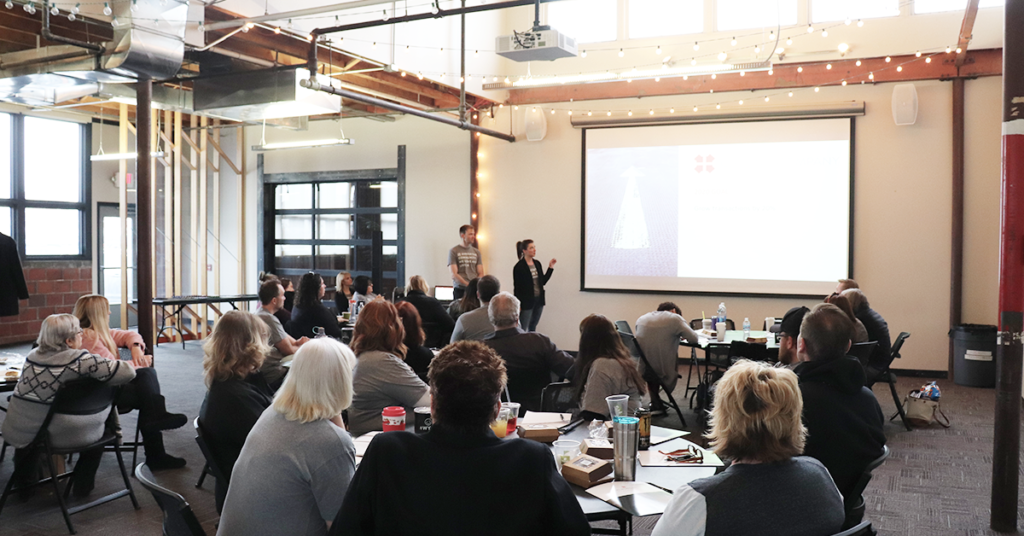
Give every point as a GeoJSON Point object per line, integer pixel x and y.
{"type": "Point", "coordinates": [444, 293]}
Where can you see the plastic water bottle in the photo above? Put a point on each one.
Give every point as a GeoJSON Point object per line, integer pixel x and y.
{"type": "Point", "coordinates": [319, 333]}
{"type": "Point", "coordinates": [746, 328]}
{"type": "Point", "coordinates": [721, 312]}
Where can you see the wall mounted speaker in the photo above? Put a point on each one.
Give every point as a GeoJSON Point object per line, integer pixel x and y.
{"type": "Point", "coordinates": [904, 104]}
{"type": "Point", "coordinates": [536, 124]}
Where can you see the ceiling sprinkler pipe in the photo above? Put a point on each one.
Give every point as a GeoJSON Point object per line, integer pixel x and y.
{"type": "Point", "coordinates": [380, 103]}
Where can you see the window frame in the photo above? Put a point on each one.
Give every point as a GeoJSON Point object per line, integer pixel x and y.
{"type": "Point", "coordinates": [18, 203]}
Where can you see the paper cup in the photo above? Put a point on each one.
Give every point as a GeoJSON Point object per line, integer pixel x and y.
{"type": "Point", "coordinates": [720, 328]}
{"type": "Point", "coordinates": [707, 324]}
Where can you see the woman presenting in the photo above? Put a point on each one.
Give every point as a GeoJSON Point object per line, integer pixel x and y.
{"type": "Point", "coordinates": [529, 278]}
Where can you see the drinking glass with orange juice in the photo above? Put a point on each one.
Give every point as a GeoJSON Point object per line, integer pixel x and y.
{"type": "Point", "coordinates": [500, 425]}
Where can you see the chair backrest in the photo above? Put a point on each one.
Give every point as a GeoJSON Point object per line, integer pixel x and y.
{"type": "Point", "coordinates": [558, 397]}
{"type": "Point", "coordinates": [179, 520]}
{"type": "Point", "coordinates": [865, 477]}
{"type": "Point", "coordinates": [623, 326]}
{"type": "Point", "coordinates": [746, 350]}
{"type": "Point", "coordinates": [633, 345]}
{"type": "Point", "coordinates": [83, 397]}
{"type": "Point", "coordinates": [204, 447]}
{"type": "Point", "coordinates": [863, 351]}
{"type": "Point", "coordinates": [696, 323]}
{"type": "Point", "coordinates": [898, 345]}
{"type": "Point", "coordinates": [863, 529]}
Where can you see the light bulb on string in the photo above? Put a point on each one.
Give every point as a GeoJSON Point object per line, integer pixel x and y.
{"type": "Point", "coordinates": [948, 50]}
{"type": "Point", "coordinates": [535, 109]}
{"type": "Point", "coordinates": [374, 45]}
{"type": "Point", "coordinates": [54, 11]}
{"type": "Point", "coordinates": [844, 83]}
{"type": "Point", "coordinates": [860, 23]}
{"type": "Point", "coordinates": [799, 69]}
{"type": "Point", "coordinates": [928, 59]}
{"type": "Point", "coordinates": [771, 35]}
{"type": "Point", "coordinates": [810, 29]}
{"type": "Point", "coordinates": [419, 75]}
{"type": "Point", "coordinates": [871, 76]}
{"type": "Point", "coordinates": [917, 54]}
{"type": "Point", "coordinates": [652, 111]}
{"type": "Point", "coordinates": [433, 8]}
{"type": "Point", "coordinates": [693, 61]}
{"type": "Point", "coordinates": [476, 53]}
{"type": "Point", "coordinates": [718, 106]}
{"type": "Point", "coordinates": [658, 50]}
{"type": "Point", "coordinates": [899, 68]}
{"type": "Point", "coordinates": [8, 4]}
{"type": "Point", "coordinates": [590, 113]}
{"type": "Point", "coordinates": [630, 113]}
{"type": "Point", "coordinates": [858, 63]}
{"type": "Point", "coordinates": [789, 41]}
{"type": "Point", "coordinates": [733, 42]}
{"type": "Point", "coordinates": [72, 17]}
{"type": "Point", "coordinates": [824, 33]}
{"type": "Point", "coordinates": [657, 79]}
{"type": "Point", "coordinates": [552, 112]}
{"type": "Point", "coordinates": [696, 45]}
{"type": "Point", "coordinates": [403, 74]}
{"type": "Point", "coordinates": [277, 30]}
{"type": "Point", "coordinates": [847, 21]}
{"type": "Point", "coordinates": [583, 54]}
{"type": "Point", "coordinates": [714, 76]}
{"type": "Point", "coordinates": [671, 110]}
{"type": "Point", "coordinates": [609, 114]}
{"type": "Point", "coordinates": [828, 67]}
{"type": "Point", "coordinates": [516, 107]}
{"type": "Point", "coordinates": [570, 112]}
{"type": "Point", "coordinates": [790, 93]}
{"type": "Point", "coordinates": [106, 9]}
{"type": "Point", "coordinates": [695, 108]}
{"type": "Point", "coordinates": [27, 7]}
{"type": "Point", "coordinates": [757, 49]}
{"type": "Point", "coordinates": [743, 73]}
{"type": "Point", "coordinates": [135, 7]}
{"type": "Point", "coordinates": [622, 52]}
{"type": "Point", "coordinates": [959, 50]}
{"type": "Point", "coordinates": [741, 102]}
{"type": "Point", "coordinates": [386, 17]}
{"type": "Point", "coordinates": [115, 22]}
{"type": "Point", "coordinates": [766, 98]}
{"type": "Point", "coordinates": [888, 59]}
{"type": "Point", "coordinates": [816, 89]}
{"type": "Point", "coordinates": [722, 56]}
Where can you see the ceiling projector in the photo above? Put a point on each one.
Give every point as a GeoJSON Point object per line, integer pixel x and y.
{"type": "Point", "coordinates": [539, 44]}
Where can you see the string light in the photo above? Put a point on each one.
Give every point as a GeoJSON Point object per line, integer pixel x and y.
{"type": "Point", "coordinates": [714, 76]}
{"type": "Point", "coordinates": [858, 63]}
{"type": "Point", "coordinates": [959, 50]}
{"type": "Point", "coordinates": [741, 102]}
{"type": "Point", "coordinates": [771, 35]}
{"type": "Point", "coordinates": [824, 33]}
{"type": "Point", "coordinates": [928, 59]}
{"type": "Point", "coordinates": [766, 98]}
{"type": "Point", "coordinates": [622, 52]}
{"type": "Point", "coordinates": [695, 108]}
{"type": "Point", "coordinates": [918, 54]}
{"type": "Point", "coordinates": [590, 113]}
{"type": "Point", "coordinates": [888, 59]}
{"type": "Point", "coordinates": [790, 93]}
{"type": "Point", "coordinates": [419, 75]}
{"type": "Point", "coordinates": [658, 50]}
{"type": "Point", "coordinates": [54, 11]}
{"type": "Point", "coordinates": [570, 112]}
{"type": "Point", "coordinates": [696, 45]}
{"type": "Point", "coordinates": [671, 110]}
{"type": "Point", "coordinates": [771, 72]}
{"type": "Point", "coordinates": [693, 61]}
{"type": "Point", "coordinates": [476, 53]}
{"type": "Point", "coordinates": [609, 114]}
{"type": "Point", "coordinates": [816, 89]}
{"type": "Point", "coordinates": [757, 49]}
{"type": "Point", "coordinates": [552, 112]}
{"type": "Point", "coordinates": [899, 69]}
{"type": "Point", "coordinates": [8, 4]}
{"type": "Point", "coordinates": [722, 56]}
{"type": "Point", "coordinates": [277, 30]}
{"type": "Point", "coordinates": [718, 106]}
{"type": "Point", "coordinates": [871, 76]}
{"type": "Point", "coordinates": [743, 73]}
{"type": "Point", "coordinates": [733, 42]}
{"type": "Point", "coordinates": [810, 29]}
{"type": "Point", "coordinates": [948, 50]}
{"type": "Point", "coordinates": [583, 54]}
{"type": "Point", "coordinates": [828, 67]}
{"type": "Point", "coordinates": [789, 41]}
{"type": "Point", "coordinates": [106, 9]}
{"type": "Point", "coordinates": [652, 111]}
{"type": "Point", "coordinates": [799, 69]}
{"type": "Point", "coordinates": [630, 113]}
{"type": "Point", "coordinates": [847, 21]}
{"type": "Point", "coordinates": [860, 23]}
{"type": "Point", "coordinates": [844, 82]}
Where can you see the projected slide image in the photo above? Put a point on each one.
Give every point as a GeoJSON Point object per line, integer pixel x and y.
{"type": "Point", "coordinates": [632, 211]}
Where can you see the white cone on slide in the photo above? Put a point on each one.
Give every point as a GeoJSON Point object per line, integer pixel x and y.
{"type": "Point", "coordinates": [631, 227]}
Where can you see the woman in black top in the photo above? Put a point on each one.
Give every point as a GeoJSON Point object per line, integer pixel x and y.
{"type": "Point", "coordinates": [467, 302]}
{"type": "Point", "coordinates": [237, 393]}
{"type": "Point", "coordinates": [309, 312]}
{"type": "Point", "coordinates": [417, 356]}
{"type": "Point", "coordinates": [343, 291]}
{"type": "Point", "coordinates": [439, 324]}
{"type": "Point", "coordinates": [528, 279]}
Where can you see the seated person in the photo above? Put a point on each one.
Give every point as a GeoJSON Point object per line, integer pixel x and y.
{"type": "Point", "coordinates": [142, 393]}
{"type": "Point", "coordinates": [439, 323]}
{"type": "Point", "coordinates": [237, 392]}
{"type": "Point", "coordinates": [475, 325]}
{"type": "Point", "coordinates": [755, 422]}
{"type": "Point", "coordinates": [382, 378]}
{"type": "Point", "coordinates": [58, 360]}
{"type": "Point", "coordinates": [289, 296]}
{"type": "Point", "coordinates": [467, 303]}
{"type": "Point", "coordinates": [604, 369]}
{"type": "Point", "coordinates": [472, 479]}
{"type": "Point", "coordinates": [860, 333]}
{"type": "Point", "coordinates": [789, 332]}
{"type": "Point", "coordinates": [532, 360]}
{"type": "Point", "coordinates": [658, 333]}
{"type": "Point", "coordinates": [297, 462]}
{"type": "Point", "coordinates": [877, 328]}
{"type": "Point", "coordinates": [284, 313]}
{"type": "Point", "coordinates": [417, 356]}
{"type": "Point", "coordinates": [281, 343]}
{"type": "Point", "coordinates": [363, 288]}
{"type": "Point", "coordinates": [309, 311]}
{"type": "Point", "coordinates": [343, 291]}
{"type": "Point", "coordinates": [843, 418]}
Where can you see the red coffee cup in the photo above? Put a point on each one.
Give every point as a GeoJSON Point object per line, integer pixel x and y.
{"type": "Point", "coordinates": [394, 418]}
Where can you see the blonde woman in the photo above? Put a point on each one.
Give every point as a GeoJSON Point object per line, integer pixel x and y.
{"type": "Point", "coordinates": [296, 464]}
{"type": "Point", "coordinates": [143, 393]}
{"type": "Point", "coordinates": [237, 391]}
{"type": "Point", "coordinates": [59, 359]}
{"type": "Point", "coordinates": [343, 291]}
{"type": "Point", "coordinates": [437, 323]}
{"type": "Point", "coordinates": [756, 424]}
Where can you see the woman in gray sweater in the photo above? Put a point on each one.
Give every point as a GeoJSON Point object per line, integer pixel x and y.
{"type": "Point", "coordinates": [58, 360]}
{"type": "Point", "coordinates": [605, 369]}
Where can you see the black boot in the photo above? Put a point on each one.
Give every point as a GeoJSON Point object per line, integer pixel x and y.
{"type": "Point", "coordinates": [154, 417]}
{"type": "Point", "coordinates": [156, 457]}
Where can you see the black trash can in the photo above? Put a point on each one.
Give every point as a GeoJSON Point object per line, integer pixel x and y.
{"type": "Point", "coordinates": [974, 355]}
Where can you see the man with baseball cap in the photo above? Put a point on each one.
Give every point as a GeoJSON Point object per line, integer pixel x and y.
{"type": "Point", "coordinates": [788, 332]}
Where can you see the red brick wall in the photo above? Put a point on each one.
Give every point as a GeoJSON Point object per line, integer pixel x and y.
{"type": "Point", "coordinates": [53, 287]}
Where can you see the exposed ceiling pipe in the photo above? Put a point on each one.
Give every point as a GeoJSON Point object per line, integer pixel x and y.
{"type": "Point", "coordinates": [47, 59]}
{"type": "Point", "coordinates": [358, 97]}
{"type": "Point", "coordinates": [299, 13]}
{"type": "Point", "coordinates": [47, 34]}
{"type": "Point", "coordinates": [222, 38]}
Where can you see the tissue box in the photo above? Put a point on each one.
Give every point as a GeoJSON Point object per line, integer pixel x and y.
{"type": "Point", "coordinates": [544, 433]}
{"type": "Point", "coordinates": [586, 471]}
{"type": "Point", "coordinates": [598, 448]}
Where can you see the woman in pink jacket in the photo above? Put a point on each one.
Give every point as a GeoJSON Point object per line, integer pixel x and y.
{"type": "Point", "coordinates": [142, 393]}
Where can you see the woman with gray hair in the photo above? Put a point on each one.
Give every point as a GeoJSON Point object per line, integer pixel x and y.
{"type": "Point", "coordinates": [297, 462]}
{"type": "Point", "coordinates": [58, 360]}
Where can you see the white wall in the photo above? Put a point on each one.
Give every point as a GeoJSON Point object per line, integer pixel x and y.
{"type": "Point", "coordinates": [902, 217]}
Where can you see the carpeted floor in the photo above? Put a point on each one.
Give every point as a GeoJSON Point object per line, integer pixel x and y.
{"type": "Point", "coordinates": [936, 481]}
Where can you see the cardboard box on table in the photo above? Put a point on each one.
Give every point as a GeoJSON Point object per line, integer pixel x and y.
{"type": "Point", "coordinates": [586, 471]}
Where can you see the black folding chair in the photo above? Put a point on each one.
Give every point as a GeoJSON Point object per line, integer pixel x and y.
{"type": "Point", "coordinates": [633, 346]}
{"type": "Point", "coordinates": [886, 375]}
{"type": "Point", "coordinates": [81, 397]}
{"type": "Point", "coordinates": [863, 351]}
{"type": "Point", "coordinates": [623, 326]}
{"type": "Point", "coordinates": [179, 519]}
{"type": "Point", "coordinates": [125, 354]}
{"type": "Point", "coordinates": [558, 397]}
{"type": "Point", "coordinates": [864, 529]}
{"type": "Point", "coordinates": [211, 467]}
{"type": "Point", "coordinates": [854, 504]}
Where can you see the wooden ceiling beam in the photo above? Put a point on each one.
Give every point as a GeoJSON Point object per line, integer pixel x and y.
{"type": "Point", "coordinates": [942, 67]}
{"type": "Point", "coordinates": [966, 30]}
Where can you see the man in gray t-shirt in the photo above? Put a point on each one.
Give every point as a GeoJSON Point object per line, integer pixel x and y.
{"type": "Point", "coordinates": [475, 325]}
{"type": "Point", "coordinates": [281, 343]}
{"type": "Point", "coordinates": [465, 261]}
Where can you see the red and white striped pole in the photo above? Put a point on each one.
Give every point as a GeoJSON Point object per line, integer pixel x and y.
{"type": "Point", "coordinates": [1006, 449]}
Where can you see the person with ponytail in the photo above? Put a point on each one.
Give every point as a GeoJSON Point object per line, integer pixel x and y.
{"type": "Point", "coordinates": [528, 280]}
{"type": "Point", "coordinates": [143, 393]}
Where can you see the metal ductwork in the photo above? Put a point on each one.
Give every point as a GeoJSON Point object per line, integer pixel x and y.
{"type": "Point", "coordinates": [258, 95]}
{"type": "Point", "coordinates": [148, 42]}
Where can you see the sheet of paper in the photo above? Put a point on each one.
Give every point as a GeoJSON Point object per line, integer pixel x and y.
{"type": "Point", "coordinates": [363, 441]}
{"type": "Point", "coordinates": [661, 435]}
{"type": "Point", "coordinates": [654, 457]}
{"type": "Point", "coordinates": [637, 498]}
{"type": "Point", "coordinates": [538, 417]}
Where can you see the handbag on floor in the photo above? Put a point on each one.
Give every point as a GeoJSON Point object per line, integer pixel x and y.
{"type": "Point", "coordinates": [922, 407]}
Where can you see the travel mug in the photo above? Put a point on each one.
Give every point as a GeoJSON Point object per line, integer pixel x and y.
{"type": "Point", "coordinates": [624, 447]}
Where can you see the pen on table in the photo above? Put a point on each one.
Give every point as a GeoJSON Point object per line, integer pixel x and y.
{"type": "Point", "coordinates": [661, 488]}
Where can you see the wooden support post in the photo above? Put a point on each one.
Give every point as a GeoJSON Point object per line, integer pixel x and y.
{"type": "Point", "coordinates": [204, 254]}
{"type": "Point", "coordinates": [956, 269]}
{"type": "Point", "coordinates": [122, 206]}
{"type": "Point", "coordinates": [193, 211]}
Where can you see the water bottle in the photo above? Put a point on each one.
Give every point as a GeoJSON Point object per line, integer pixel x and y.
{"type": "Point", "coordinates": [746, 328]}
{"type": "Point", "coordinates": [721, 312]}
{"type": "Point", "coordinates": [319, 333]}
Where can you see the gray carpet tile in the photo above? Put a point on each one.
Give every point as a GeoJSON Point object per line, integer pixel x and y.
{"type": "Point", "coordinates": [936, 481]}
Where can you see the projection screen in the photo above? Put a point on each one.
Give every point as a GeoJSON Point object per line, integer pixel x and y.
{"type": "Point", "coordinates": [725, 208]}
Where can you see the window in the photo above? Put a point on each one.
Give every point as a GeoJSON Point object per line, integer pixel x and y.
{"type": "Point", "coordinates": [588, 21]}
{"type": "Point", "coordinates": [657, 18]}
{"type": "Point", "coordinates": [935, 6]}
{"type": "Point", "coordinates": [746, 14]}
{"type": "Point", "coordinates": [110, 254]}
{"type": "Point", "coordinates": [44, 201]}
{"type": "Point", "coordinates": [834, 10]}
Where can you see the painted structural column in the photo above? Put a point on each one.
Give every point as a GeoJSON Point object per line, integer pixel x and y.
{"type": "Point", "coordinates": [1006, 451]}
{"type": "Point", "coordinates": [144, 209]}
{"type": "Point", "coordinates": [956, 269]}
